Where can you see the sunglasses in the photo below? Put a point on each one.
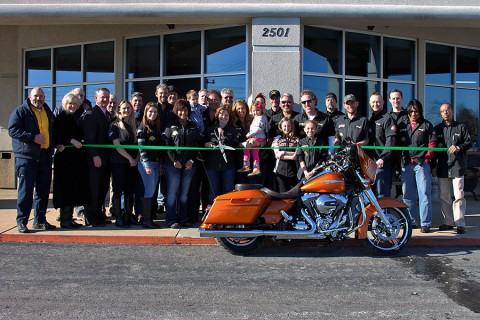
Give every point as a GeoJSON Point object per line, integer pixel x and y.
{"type": "Point", "coordinates": [286, 102]}
{"type": "Point", "coordinates": [306, 101]}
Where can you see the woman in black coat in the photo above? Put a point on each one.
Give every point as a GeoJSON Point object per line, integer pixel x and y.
{"type": "Point", "coordinates": [70, 185]}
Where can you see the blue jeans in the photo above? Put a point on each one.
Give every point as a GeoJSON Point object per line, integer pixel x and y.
{"type": "Point", "coordinates": [33, 174]}
{"type": "Point", "coordinates": [417, 192]}
{"type": "Point", "coordinates": [383, 182]}
{"type": "Point", "coordinates": [178, 181]}
{"type": "Point", "coordinates": [150, 181]}
{"type": "Point", "coordinates": [220, 182]}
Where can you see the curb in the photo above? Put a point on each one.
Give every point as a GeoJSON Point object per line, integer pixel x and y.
{"type": "Point", "coordinates": [107, 239]}
{"type": "Point", "coordinates": [141, 240]}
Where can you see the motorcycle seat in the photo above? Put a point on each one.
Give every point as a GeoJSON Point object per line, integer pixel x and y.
{"type": "Point", "coordinates": [290, 194]}
{"type": "Point", "coordinates": [247, 186]}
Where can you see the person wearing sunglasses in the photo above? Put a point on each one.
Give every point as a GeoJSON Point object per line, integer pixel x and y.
{"type": "Point", "coordinates": [324, 128]}
{"type": "Point", "coordinates": [416, 131]}
{"type": "Point", "coordinates": [286, 104]}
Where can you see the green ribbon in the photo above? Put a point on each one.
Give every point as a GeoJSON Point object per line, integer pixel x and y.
{"type": "Point", "coordinates": [112, 146]}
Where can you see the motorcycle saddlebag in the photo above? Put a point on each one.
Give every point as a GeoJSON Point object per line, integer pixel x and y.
{"type": "Point", "coordinates": [237, 207]}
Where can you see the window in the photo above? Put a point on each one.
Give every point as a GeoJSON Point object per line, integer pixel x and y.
{"type": "Point", "coordinates": [439, 64]}
{"type": "Point", "coordinates": [362, 55]}
{"type": "Point", "coordinates": [367, 63]}
{"type": "Point", "coordinates": [143, 58]}
{"type": "Point", "coordinates": [223, 63]}
{"type": "Point", "coordinates": [452, 76]}
{"type": "Point", "coordinates": [58, 70]}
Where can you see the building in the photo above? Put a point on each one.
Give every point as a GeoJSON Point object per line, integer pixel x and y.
{"type": "Point", "coordinates": [428, 49]}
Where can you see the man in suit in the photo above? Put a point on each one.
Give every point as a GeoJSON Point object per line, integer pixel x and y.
{"type": "Point", "coordinates": [30, 128]}
{"type": "Point", "coordinates": [96, 122]}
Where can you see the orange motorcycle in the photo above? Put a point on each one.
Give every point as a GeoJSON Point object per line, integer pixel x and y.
{"type": "Point", "coordinates": [335, 204]}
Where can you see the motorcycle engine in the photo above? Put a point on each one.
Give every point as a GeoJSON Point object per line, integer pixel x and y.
{"type": "Point", "coordinates": [324, 208]}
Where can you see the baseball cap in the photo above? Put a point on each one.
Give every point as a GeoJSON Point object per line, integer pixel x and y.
{"type": "Point", "coordinates": [331, 95]}
{"type": "Point", "coordinates": [349, 97]}
{"type": "Point", "coordinates": [172, 88]}
{"type": "Point", "coordinates": [274, 93]}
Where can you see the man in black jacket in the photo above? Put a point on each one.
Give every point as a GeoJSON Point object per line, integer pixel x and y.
{"type": "Point", "coordinates": [451, 168]}
{"type": "Point", "coordinates": [382, 131]}
{"type": "Point", "coordinates": [30, 128]}
{"type": "Point", "coordinates": [96, 122]}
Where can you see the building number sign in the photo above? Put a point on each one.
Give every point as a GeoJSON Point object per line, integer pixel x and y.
{"type": "Point", "coordinates": [276, 32]}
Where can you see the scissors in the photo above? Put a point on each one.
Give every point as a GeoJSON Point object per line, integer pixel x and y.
{"type": "Point", "coordinates": [221, 146]}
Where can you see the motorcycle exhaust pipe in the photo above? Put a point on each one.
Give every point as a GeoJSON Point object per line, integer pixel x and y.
{"type": "Point", "coordinates": [260, 233]}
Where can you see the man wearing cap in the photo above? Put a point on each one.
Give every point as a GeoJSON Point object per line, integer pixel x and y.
{"type": "Point", "coordinates": [274, 96]}
{"type": "Point", "coordinates": [351, 126]}
{"type": "Point", "coordinates": [325, 127]}
{"type": "Point", "coordinates": [136, 99]}
{"type": "Point", "coordinates": [172, 95]}
{"type": "Point", "coordinates": [382, 131]}
{"type": "Point", "coordinates": [331, 106]}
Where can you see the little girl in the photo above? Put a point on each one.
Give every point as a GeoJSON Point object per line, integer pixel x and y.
{"type": "Point", "coordinates": [255, 137]}
{"type": "Point", "coordinates": [286, 165]}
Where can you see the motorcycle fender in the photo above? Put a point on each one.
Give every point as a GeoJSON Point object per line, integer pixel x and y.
{"type": "Point", "coordinates": [370, 210]}
{"type": "Point", "coordinates": [237, 207]}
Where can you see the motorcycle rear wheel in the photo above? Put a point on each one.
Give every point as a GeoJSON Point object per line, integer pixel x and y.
{"type": "Point", "coordinates": [241, 246]}
{"type": "Point", "coordinates": [380, 240]}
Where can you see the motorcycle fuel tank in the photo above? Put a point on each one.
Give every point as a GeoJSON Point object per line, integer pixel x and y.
{"type": "Point", "coordinates": [327, 182]}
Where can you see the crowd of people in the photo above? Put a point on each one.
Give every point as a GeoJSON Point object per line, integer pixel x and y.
{"type": "Point", "coordinates": [209, 142]}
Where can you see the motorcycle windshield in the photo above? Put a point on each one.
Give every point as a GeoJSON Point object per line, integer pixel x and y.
{"type": "Point", "coordinates": [369, 167]}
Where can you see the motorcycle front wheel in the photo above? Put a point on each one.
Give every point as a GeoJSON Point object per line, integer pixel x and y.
{"type": "Point", "coordinates": [383, 241]}
{"type": "Point", "coordinates": [241, 246]}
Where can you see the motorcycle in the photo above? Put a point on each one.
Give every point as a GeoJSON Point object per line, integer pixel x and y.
{"type": "Point", "coordinates": [332, 205]}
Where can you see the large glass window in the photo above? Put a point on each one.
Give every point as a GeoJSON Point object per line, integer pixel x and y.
{"type": "Point", "coordinates": [454, 83]}
{"type": "Point", "coordinates": [69, 71]}
{"type": "Point", "coordinates": [398, 59]}
{"type": "Point", "coordinates": [183, 53]}
{"type": "Point", "coordinates": [100, 61]}
{"type": "Point", "coordinates": [362, 55]}
{"type": "Point", "coordinates": [143, 57]}
{"type": "Point", "coordinates": [439, 64]}
{"type": "Point", "coordinates": [223, 63]}
{"type": "Point", "coordinates": [225, 50]}
{"type": "Point", "coordinates": [468, 68]}
{"type": "Point", "coordinates": [68, 64]}
{"type": "Point", "coordinates": [38, 67]}
{"type": "Point", "coordinates": [322, 51]}
{"type": "Point", "coordinates": [367, 64]}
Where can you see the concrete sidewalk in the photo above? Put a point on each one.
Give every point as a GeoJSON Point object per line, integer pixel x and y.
{"type": "Point", "coordinates": [138, 235]}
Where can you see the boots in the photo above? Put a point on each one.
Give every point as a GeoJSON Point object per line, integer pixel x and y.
{"type": "Point", "coordinates": [147, 214]}
{"type": "Point", "coordinates": [129, 217]}
{"type": "Point", "coordinates": [117, 212]}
